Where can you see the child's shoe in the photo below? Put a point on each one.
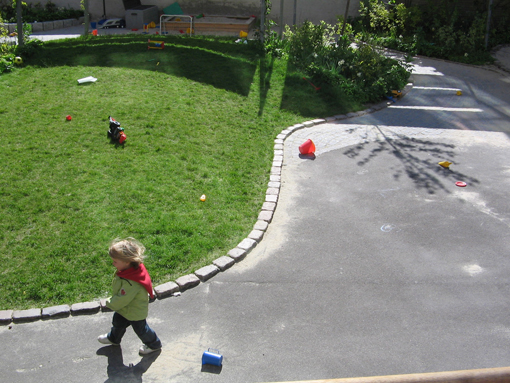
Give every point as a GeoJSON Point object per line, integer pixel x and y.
{"type": "Point", "coordinates": [104, 340]}
{"type": "Point", "coordinates": [145, 350]}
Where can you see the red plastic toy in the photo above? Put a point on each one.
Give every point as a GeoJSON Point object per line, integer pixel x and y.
{"type": "Point", "coordinates": [308, 147]}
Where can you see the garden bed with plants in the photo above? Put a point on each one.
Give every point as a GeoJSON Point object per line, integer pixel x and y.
{"type": "Point", "coordinates": [441, 29]}
{"type": "Point", "coordinates": [32, 13]}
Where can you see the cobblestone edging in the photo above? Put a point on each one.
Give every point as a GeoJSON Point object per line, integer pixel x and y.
{"type": "Point", "coordinates": [223, 263]}
{"type": "Point", "coordinates": [46, 25]}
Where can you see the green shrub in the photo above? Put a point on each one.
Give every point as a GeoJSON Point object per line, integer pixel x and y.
{"type": "Point", "coordinates": [361, 71]}
{"type": "Point", "coordinates": [37, 12]}
{"type": "Point", "coordinates": [6, 62]}
{"type": "Point", "coordinates": [440, 29]}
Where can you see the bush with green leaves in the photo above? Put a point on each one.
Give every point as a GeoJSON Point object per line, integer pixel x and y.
{"type": "Point", "coordinates": [442, 29]}
{"type": "Point", "coordinates": [37, 12]}
{"type": "Point", "coordinates": [6, 62]}
{"type": "Point", "coordinates": [6, 57]}
{"type": "Point", "coordinates": [272, 44]}
{"type": "Point", "coordinates": [4, 46]}
{"type": "Point", "coordinates": [359, 70]}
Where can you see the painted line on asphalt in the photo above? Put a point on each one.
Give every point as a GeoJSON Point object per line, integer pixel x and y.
{"type": "Point", "coordinates": [439, 108]}
{"type": "Point", "coordinates": [436, 88]}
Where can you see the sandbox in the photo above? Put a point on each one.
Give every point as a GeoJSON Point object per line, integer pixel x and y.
{"type": "Point", "coordinates": [206, 24]}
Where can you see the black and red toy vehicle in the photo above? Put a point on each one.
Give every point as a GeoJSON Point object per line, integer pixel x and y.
{"type": "Point", "coordinates": [115, 132]}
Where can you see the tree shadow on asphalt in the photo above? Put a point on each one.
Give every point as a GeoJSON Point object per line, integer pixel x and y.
{"type": "Point", "coordinates": [425, 173]}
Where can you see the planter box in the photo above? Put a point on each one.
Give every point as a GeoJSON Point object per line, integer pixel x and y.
{"type": "Point", "coordinates": [230, 24]}
{"type": "Point", "coordinates": [58, 24]}
{"type": "Point", "coordinates": [37, 27]}
{"type": "Point", "coordinates": [11, 27]}
{"type": "Point", "coordinates": [47, 25]}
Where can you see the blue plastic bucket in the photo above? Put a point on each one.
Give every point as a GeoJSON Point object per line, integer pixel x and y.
{"type": "Point", "coordinates": [212, 356]}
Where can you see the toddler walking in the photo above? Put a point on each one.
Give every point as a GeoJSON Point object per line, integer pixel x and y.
{"type": "Point", "coordinates": [130, 296]}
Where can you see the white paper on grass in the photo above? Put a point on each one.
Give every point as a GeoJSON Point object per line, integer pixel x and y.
{"type": "Point", "coordinates": [87, 79]}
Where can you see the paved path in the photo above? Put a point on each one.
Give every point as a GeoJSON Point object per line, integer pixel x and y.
{"type": "Point", "coordinates": [375, 262]}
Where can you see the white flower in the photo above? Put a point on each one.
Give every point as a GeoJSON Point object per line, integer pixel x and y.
{"type": "Point", "coordinates": [359, 74]}
{"type": "Point", "coordinates": [465, 54]}
{"type": "Point", "coordinates": [341, 62]}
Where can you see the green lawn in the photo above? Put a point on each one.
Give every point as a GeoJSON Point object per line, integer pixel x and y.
{"type": "Point", "coordinates": [200, 118]}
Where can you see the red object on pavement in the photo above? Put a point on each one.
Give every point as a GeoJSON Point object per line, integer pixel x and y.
{"type": "Point", "coordinates": [461, 184]}
{"type": "Point", "coordinates": [308, 147]}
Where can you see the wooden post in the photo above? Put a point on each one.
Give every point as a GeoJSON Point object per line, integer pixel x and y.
{"type": "Point", "coordinates": [262, 19]}
{"type": "Point", "coordinates": [489, 15]}
{"type": "Point", "coordinates": [281, 18]}
{"type": "Point", "coordinates": [295, 11]}
{"type": "Point", "coordinates": [345, 16]}
{"type": "Point", "coordinates": [87, 17]}
{"type": "Point", "coordinates": [19, 21]}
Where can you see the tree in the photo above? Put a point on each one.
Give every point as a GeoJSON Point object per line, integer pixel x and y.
{"type": "Point", "coordinates": [19, 21]}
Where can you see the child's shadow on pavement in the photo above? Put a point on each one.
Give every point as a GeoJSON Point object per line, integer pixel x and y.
{"type": "Point", "coordinates": [118, 372]}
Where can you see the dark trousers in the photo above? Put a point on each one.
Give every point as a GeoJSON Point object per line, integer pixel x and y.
{"type": "Point", "coordinates": [140, 327]}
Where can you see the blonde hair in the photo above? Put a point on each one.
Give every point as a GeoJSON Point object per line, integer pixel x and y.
{"type": "Point", "coordinates": [127, 250]}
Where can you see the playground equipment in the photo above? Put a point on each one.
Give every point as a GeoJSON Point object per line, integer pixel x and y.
{"type": "Point", "coordinates": [146, 27]}
{"type": "Point", "coordinates": [151, 44]}
{"type": "Point", "coordinates": [166, 20]}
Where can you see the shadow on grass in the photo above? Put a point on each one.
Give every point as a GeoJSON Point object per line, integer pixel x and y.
{"type": "Point", "coordinates": [425, 173]}
{"type": "Point", "coordinates": [314, 100]}
{"type": "Point", "coordinates": [266, 71]}
{"type": "Point", "coordinates": [223, 65]}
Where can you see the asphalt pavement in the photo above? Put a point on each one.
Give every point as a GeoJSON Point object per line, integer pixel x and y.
{"type": "Point", "coordinates": [375, 262]}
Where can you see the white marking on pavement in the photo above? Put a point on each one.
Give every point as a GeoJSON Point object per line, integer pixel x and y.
{"type": "Point", "coordinates": [387, 227]}
{"type": "Point", "coordinates": [436, 88]}
{"type": "Point", "coordinates": [426, 70]}
{"type": "Point", "coordinates": [473, 269]}
{"type": "Point", "coordinates": [473, 110]}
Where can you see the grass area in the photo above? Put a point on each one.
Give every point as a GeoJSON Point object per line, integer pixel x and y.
{"type": "Point", "coordinates": [200, 117]}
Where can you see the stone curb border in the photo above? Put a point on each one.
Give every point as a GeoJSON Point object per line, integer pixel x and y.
{"type": "Point", "coordinates": [237, 254]}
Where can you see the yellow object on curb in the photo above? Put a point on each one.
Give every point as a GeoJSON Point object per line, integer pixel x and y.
{"type": "Point", "coordinates": [396, 93]}
{"type": "Point", "coordinates": [445, 164]}
{"type": "Point", "coordinates": [459, 93]}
